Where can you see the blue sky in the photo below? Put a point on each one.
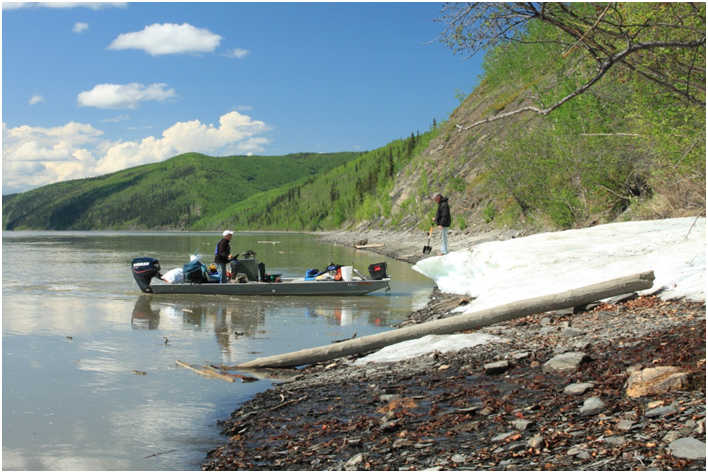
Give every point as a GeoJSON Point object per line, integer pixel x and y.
{"type": "Point", "coordinates": [95, 88]}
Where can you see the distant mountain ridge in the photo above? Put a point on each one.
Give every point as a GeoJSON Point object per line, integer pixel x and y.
{"type": "Point", "coordinates": [173, 194]}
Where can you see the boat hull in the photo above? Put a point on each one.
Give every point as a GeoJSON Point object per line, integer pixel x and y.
{"type": "Point", "coordinates": [285, 288]}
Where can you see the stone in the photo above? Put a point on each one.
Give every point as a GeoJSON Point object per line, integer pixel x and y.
{"type": "Point", "coordinates": [662, 411]}
{"type": "Point", "coordinates": [625, 425]}
{"type": "Point", "coordinates": [354, 462]}
{"type": "Point", "coordinates": [457, 458]}
{"type": "Point", "coordinates": [502, 437]}
{"type": "Point", "coordinates": [521, 424]}
{"type": "Point", "coordinates": [577, 388]}
{"type": "Point", "coordinates": [496, 367]}
{"type": "Point", "coordinates": [572, 332]}
{"type": "Point", "coordinates": [389, 397]}
{"type": "Point", "coordinates": [520, 355]}
{"type": "Point", "coordinates": [536, 441]}
{"type": "Point", "coordinates": [592, 406]}
{"type": "Point", "coordinates": [616, 440]}
{"type": "Point", "coordinates": [688, 448]}
{"type": "Point", "coordinates": [656, 380]}
{"type": "Point", "coordinates": [576, 451]}
{"type": "Point", "coordinates": [671, 436]}
{"type": "Point", "coordinates": [565, 362]}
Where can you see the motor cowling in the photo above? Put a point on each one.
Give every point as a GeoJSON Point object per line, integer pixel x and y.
{"type": "Point", "coordinates": [144, 269]}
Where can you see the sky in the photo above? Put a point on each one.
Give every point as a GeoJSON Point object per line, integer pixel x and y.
{"type": "Point", "coordinates": [93, 88]}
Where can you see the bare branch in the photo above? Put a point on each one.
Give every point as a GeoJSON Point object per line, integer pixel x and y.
{"type": "Point", "coordinates": [583, 88]}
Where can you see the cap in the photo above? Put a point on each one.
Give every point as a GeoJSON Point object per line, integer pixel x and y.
{"type": "Point", "coordinates": [227, 232]}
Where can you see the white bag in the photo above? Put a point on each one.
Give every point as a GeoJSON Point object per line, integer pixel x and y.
{"type": "Point", "coordinates": [173, 275]}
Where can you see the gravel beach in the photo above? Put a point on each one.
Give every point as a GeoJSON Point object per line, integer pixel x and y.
{"type": "Point", "coordinates": [606, 387]}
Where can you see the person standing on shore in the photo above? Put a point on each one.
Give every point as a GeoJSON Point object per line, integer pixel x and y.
{"type": "Point", "coordinates": [222, 254]}
{"type": "Point", "coordinates": [442, 220]}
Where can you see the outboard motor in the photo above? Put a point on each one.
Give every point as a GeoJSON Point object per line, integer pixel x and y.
{"type": "Point", "coordinates": [144, 269]}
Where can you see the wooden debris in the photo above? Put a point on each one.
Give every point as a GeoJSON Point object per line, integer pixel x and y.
{"type": "Point", "coordinates": [369, 245]}
{"type": "Point", "coordinates": [209, 373]}
{"type": "Point", "coordinates": [458, 323]}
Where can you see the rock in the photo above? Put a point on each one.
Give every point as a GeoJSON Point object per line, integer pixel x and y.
{"type": "Point", "coordinates": [575, 451]}
{"type": "Point", "coordinates": [625, 425]}
{"type": "Point", "coordinates": [592, 406]}
{"type": "Point", "coordinates": [389, 397]}
{"type": "Point", "coordinates": [572, 332]}
{"type": "Point", "coordinates": [662, 411]}
{"type": "Point", "coordinates": [616, 440]}
{"type": "Point", "coordinates": [536, 441]}
{"type": "Point", "coordinates": [565, 362]}
{"type": "Point", "coordinates": [496, 367]}
{"type": "Point", "coordinates": [577, 388]}
{"type": "Point", "coordinates": [400, 443]}
{"type": "Point", "coordinates": [457, 458]}
{"type": "Point", "coordinates": [688, 448]}
{"type": "Point", "coordinates": [521, 424]}
{"type": "Point", "coordinates": [656, 380]}
{"type": "Point", "coordinates": [354, 462]}
{"type": "Point", "coordinates": [671, 436]}
{"type": "Point", "coordinates": [520, 355]}
{"type": "Point", "coordinates": [701, 427]}
{"type": "Point", "coordinates": [502, 437]}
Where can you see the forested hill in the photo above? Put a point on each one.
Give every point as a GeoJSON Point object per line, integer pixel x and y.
{"type": "Point", "coordinates": [174, 194]}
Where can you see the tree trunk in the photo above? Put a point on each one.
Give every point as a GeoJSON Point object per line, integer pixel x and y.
{"type": "Point", "coordinates": [475, 320]}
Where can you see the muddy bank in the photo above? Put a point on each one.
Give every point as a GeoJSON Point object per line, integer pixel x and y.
{"type": "Point", "coordinates": [498, 406]}
{"type": "Point", "coordinates": [408, 246]}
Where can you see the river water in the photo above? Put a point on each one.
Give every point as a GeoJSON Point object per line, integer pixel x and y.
{"type": "Point", "coordinates": [77, 336]}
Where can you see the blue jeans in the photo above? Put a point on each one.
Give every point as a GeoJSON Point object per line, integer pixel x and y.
{"type": "Point", "coordinates": [222, 272]}
{"type": "Point", "coordinates": [443, 241]}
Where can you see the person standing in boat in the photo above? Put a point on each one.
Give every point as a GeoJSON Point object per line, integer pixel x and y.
{"type": "Point", "coordinates": [442, 220]}
{"type": "Point", "coordinates": [222, 254]}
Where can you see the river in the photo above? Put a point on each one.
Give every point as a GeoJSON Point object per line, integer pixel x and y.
{"type": "Point", "coordinates": [89, 380]}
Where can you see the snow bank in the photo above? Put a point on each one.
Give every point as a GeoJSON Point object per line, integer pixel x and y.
{"type": "Point", "coordinates": [499, 272]}
{"type": "Point", "coordinates": [428, 344]}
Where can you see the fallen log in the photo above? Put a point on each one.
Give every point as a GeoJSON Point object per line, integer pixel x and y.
{"type": "Point", "coordinates": [370, 245]}
{"type": "Point", "coordinates": [206, 372]}
{"type": "Point", "coordinates": [471, 321]}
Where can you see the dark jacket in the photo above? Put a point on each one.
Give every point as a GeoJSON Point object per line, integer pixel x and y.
{"type": "Point", "coordinates": [222, 252]}
{"type": "Point", "coordinates": [442, 217]}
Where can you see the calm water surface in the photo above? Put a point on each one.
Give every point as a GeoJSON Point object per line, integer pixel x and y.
{"type": "Point", "coordinates": [75, 329]}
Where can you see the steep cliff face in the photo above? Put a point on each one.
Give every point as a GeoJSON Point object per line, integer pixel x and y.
{"type": "Point", "coordinates": [454, 165]}
{"type": "Point", "coordinates": [535, 173]}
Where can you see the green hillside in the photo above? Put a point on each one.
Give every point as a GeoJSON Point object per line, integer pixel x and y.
{"type": "Point", "coordinates": [354, 192]}
{"type": "Point", "coordinates": [172, 194]}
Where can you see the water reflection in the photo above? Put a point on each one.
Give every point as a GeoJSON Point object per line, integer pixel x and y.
{"type": "Point", "coordinates": [234, 319]}
{"type": "Point", "coordinates": [88, 380]}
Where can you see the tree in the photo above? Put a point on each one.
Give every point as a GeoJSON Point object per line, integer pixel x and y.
{"type": "Point", "coordinates": [663, 43]}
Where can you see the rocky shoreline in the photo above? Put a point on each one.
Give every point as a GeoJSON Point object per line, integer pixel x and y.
{"type": "Point", "coordinates": [407, 246]}
{"type": "Point", "coordinates": [554, 395]}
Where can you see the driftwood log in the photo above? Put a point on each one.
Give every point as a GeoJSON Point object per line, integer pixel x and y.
{"type": "Point", "coordinates": [472, 321]}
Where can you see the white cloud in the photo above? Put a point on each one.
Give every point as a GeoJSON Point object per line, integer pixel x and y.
{"type": "Point", "coordinates": [80, 27]}
{"type": "Point", "coordinates": [168, 38]}
{"type": "Point", "coordinates": [238, 53]}
{"type": "Point", "coordinates": [36, 156]}
{"type": "Point", "coordinates": [123, 95]}
{"type": "Point", "coordinates": [35, 99]}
